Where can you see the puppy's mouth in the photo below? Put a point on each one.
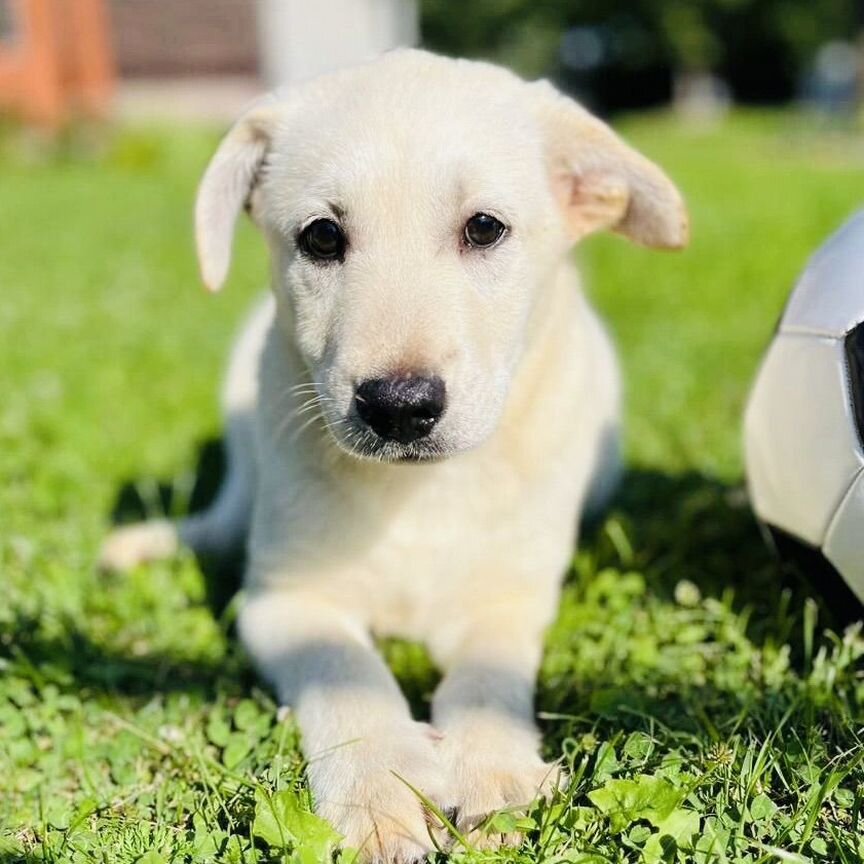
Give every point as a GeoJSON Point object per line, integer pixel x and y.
{"type": "Point", "coordinates": [363, 443]}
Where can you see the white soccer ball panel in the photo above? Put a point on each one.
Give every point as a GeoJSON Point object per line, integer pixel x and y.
{"type": "Point", "coordinates": [802, 445]}
{"type": "Point", "coordinates": [844, 542]}
{"type": "Point", "coordinates": [829, 297]}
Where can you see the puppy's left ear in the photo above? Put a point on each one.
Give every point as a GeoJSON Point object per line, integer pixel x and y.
{"type": "Point", "coordinates": [601, 182]}
{"type": "Point", "coordinates": [226, 187]}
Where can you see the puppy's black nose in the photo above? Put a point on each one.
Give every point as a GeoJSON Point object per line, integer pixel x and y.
{"type": "Point", "coordinates": [401, 408]}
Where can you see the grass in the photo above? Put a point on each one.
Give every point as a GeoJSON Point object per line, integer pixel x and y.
{"type": "Point", "coordinates": [708, 710]}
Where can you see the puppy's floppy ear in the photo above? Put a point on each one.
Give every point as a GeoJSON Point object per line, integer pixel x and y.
{"type": "Point", "coordinates": [601, 182]}
{"type": "Point", "coordinates": [226, 187]}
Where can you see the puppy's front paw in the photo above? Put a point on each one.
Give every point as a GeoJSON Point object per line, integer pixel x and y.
{"type": "Point", "coordinates": [131, 545]}
{"type": "Point", "coordinates": [491, 770]}
{"type": "Point", "coordinates": [361, 788]}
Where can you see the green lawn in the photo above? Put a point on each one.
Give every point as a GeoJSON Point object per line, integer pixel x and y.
{"type": "Point", "coordinates": [708, 711]}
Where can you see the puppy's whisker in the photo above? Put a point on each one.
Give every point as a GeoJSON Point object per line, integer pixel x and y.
{"type": "Point", "coordinates": [313, 404]}
{"type": "Point", "coordinates": [285, 425]}
{"type": "Point", "coordinates": [305, 388]}
{"type": "Point", "coordinates": [315, 418]}
{"type": "Point", "coordinates": [312, 391]}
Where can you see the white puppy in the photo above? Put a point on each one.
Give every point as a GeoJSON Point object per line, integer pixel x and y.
{"type": "Point", "coordinates": [417, 417]}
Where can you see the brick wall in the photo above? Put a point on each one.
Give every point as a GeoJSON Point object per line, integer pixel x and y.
{"type": "Point", "coordinates": [184, 37]}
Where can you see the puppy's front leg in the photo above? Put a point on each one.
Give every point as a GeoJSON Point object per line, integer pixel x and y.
{"type": "Point", "coordinates": [358, 734]}
{"type": "Point", "coordinates": [484, 708]}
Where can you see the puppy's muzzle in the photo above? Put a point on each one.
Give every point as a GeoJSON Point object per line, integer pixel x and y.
{"type": "Point", "coordinates": [401, 408]}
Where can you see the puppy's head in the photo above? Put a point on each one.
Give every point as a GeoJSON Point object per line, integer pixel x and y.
{"type": "Point", "coordinates": [414, 208]}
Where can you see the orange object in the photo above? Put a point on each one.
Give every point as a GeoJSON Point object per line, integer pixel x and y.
{"type": "Point", "coordinates": [55, 59]}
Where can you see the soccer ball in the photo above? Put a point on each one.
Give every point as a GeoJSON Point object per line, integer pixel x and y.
{"type": "Point", "coordinates": [804, 424]}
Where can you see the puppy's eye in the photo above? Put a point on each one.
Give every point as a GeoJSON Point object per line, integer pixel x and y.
{"type": "Point", "coordinates": [483, 231]}
{"type": "Point", "coordinates": [323, 240]}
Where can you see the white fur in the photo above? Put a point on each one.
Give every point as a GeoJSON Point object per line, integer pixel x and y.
{"type": "Point", "coordinates": [465, 551]}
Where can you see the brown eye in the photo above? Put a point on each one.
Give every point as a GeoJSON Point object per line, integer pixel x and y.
{"type": "Point", "coordinates": [483, 231]}
{"type": "Point", "coordinates": [323, 240]}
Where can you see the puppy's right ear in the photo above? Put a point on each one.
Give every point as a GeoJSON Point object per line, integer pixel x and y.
{"type": "Point", "coordinates": [226, 187]}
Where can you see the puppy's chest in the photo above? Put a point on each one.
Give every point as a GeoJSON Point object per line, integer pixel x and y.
{"type": "Point", "coordinates": [431, 550]}
{"type": "Point", "coordinates": [435, 536]}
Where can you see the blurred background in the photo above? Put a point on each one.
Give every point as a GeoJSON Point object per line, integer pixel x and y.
{"type": "Point", "coordinates": [205, 57]}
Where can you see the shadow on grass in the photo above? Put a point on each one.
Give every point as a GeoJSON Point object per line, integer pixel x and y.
{"type": "Point", "coordinates": [689, 526]}
{"type": "Point", "coordinates": [670, 528]}
{"type": "Point", "coordinates": [72, 662]}
{"type": "Point", "coordinates": [222, 578]}
{"type": "Point", "coordinates": [20, 858]}
{"type": "Point", "coordinates": [64, 655]}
